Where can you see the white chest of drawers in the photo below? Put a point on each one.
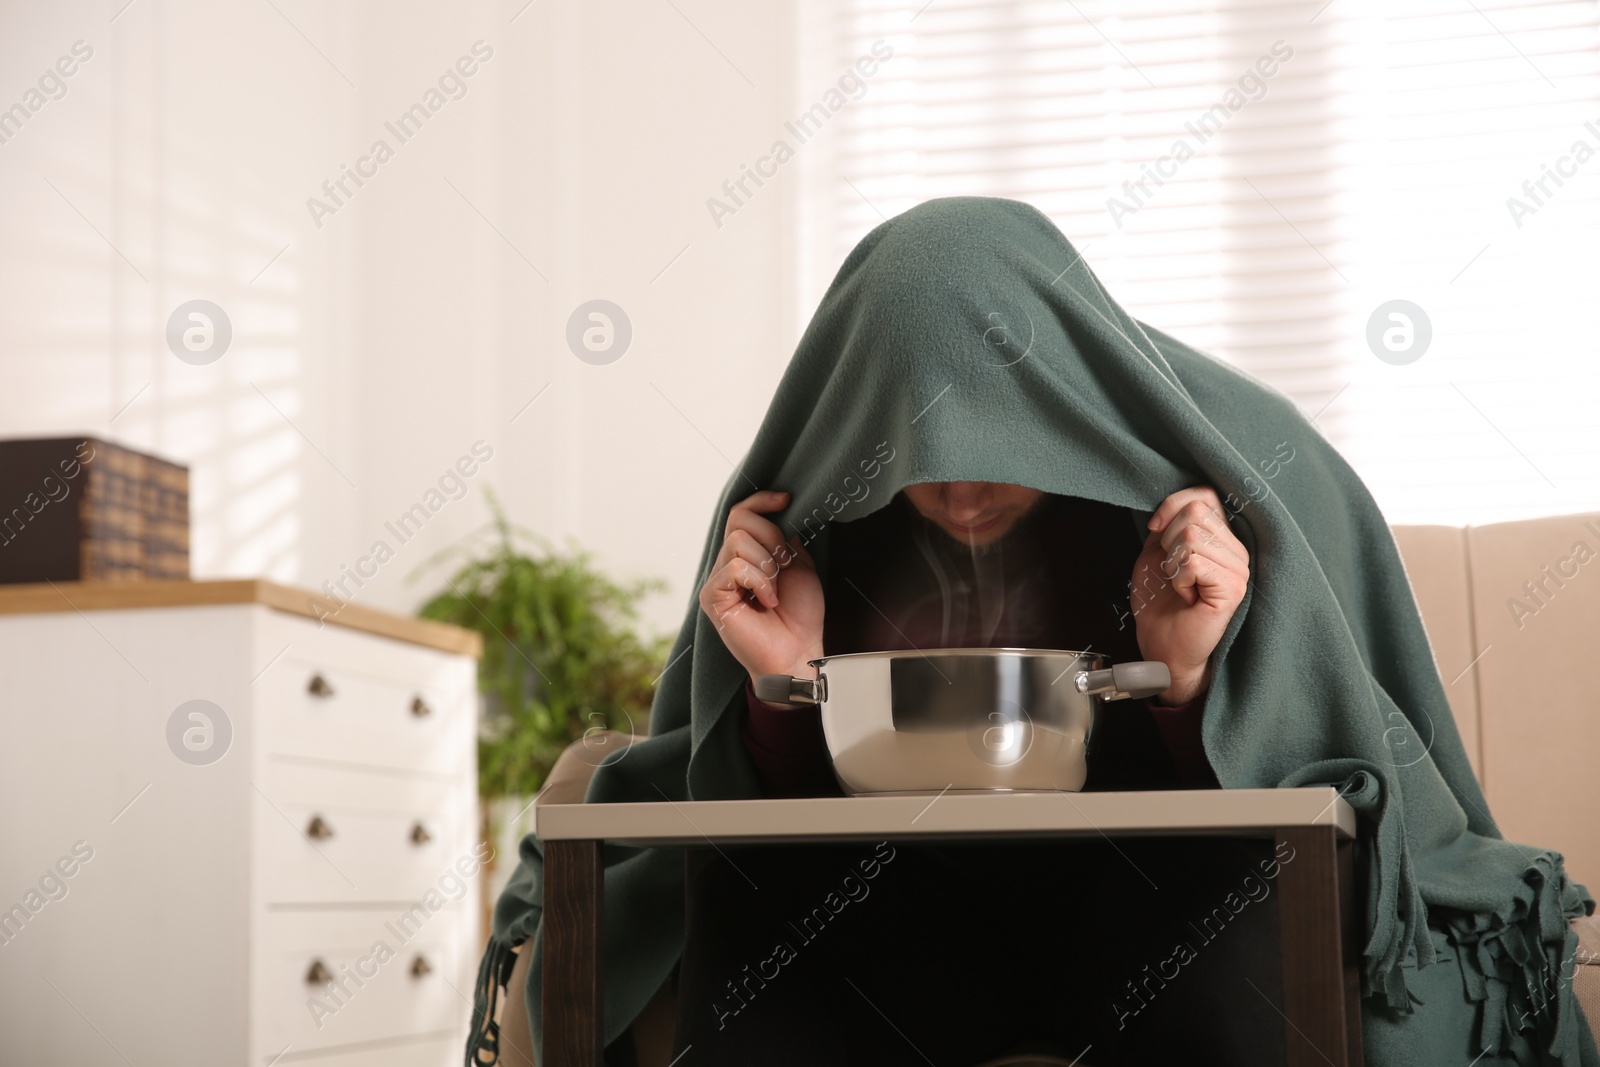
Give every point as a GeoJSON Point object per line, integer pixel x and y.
{"type": "Point", "coordinates": [182, 890]}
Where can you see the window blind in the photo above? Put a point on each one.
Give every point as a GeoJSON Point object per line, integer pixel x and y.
{"type": "Point", "coordinates": [1263, 180]}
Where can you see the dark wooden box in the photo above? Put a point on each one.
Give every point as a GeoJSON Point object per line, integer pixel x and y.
{"type": "Point", "coordinates": [81, 509]}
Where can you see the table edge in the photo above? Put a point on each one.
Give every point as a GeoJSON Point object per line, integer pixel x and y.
{"type": "Point", "coordinates": [1245, 812]}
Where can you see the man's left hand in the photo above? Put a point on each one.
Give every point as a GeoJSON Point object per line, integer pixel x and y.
{"type": "Point", "coordinates": [1187, 583]}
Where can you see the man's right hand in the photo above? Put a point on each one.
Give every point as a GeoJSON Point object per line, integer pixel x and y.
{"type": "Point", "coordinates": [764, 594]}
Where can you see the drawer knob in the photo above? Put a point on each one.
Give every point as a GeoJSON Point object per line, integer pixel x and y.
{"type": "Point", "coordinates": [419, 834]}
{"type": "Point", "coordinates": [319, 686]}
{"type": "Point", "coordinates": [419, 708]}
{"type": "Point", "coordinates": [318, 829]}
{"type": "Point", "coordinates": [318, 974]}
{"type": "Point", "coordinates": [420, 967]}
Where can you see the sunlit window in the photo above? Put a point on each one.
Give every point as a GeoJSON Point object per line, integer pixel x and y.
{"type": "Point", "coordinates": [1265, 181]}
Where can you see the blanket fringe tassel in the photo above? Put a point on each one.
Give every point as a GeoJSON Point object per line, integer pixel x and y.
{"type": "Point", "coordinates": [494, 974]}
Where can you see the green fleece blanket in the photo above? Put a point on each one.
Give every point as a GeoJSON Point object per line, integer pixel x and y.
{"type": "Point", "coordinates": [968, 336]}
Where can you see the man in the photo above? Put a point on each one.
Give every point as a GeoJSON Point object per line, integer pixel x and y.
{"type": "Point", "coordinates": [968, 340]}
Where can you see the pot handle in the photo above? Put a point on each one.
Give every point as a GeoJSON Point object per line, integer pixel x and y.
{"type": "Point", "coordinates": [787, 689]}
{"type": "Point", "coordinates": [1125, 681]}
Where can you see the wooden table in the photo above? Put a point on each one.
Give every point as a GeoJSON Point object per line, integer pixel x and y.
{"type": "Point", "coordinates": [1316, 892]}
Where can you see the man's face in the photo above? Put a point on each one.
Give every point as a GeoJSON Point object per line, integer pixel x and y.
{"type": "Point", "coordinates": [974, 513]}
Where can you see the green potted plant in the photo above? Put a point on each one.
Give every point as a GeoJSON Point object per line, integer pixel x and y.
{"type": "Point", "coordinates": [562, 653]}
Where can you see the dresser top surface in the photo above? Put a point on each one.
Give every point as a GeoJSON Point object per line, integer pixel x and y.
{"type": "Point", "coordinates": [35, 598]}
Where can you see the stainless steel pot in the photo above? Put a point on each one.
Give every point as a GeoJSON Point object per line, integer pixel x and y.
{"type": "Point", "coordinates": [962, 719]}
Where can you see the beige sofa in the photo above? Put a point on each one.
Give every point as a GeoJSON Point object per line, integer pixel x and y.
{"type": "Point", "coordinates": [1518, 683]}
{"type": "Point", "coordinates": [1513, 615]}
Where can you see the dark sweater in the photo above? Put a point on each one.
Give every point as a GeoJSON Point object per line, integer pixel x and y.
{"type": "Point", "coordinates": [1058, 579]}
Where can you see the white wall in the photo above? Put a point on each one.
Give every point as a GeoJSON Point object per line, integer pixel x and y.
{"type": "Point", "coordinates": [414, 321]}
